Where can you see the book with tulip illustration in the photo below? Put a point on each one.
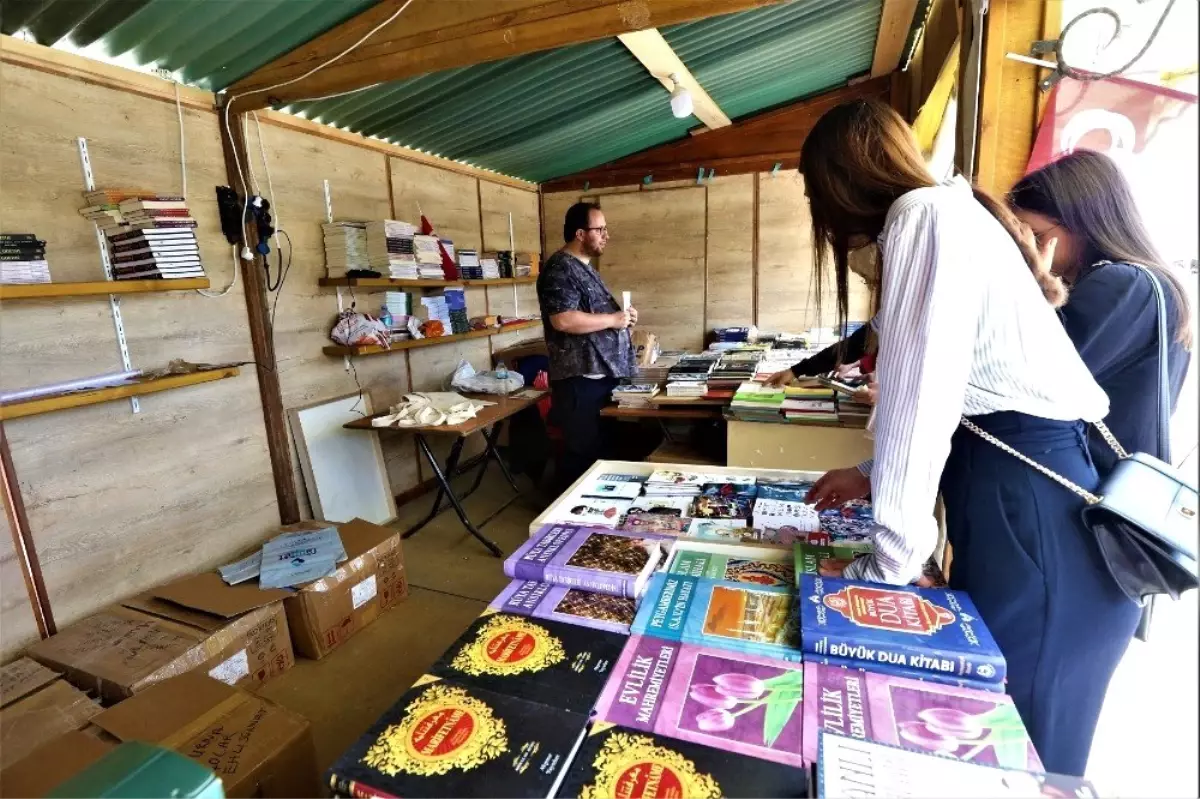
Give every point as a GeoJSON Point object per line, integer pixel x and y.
{"type": "Point", "coordinates": [928, 629]}
{"type": "Point", "coordinates": [743, 617]}
{"type": "Point", "coordinates": [969, 725]}
{"type": "Point", "coordinates": [736, 702]}
{"type": "Point", "coordinates": [738, 563]}
{"type": "Point", "coordinates": [617, 761]}
{"type": "Point", "coordinates": [598, 560]}
{"type": "Point", "coordinates": [570, 605]}
{"type": "Point", "coordinates": [558, 664]}
{"type": "Point", "coordinates": [849, 767]}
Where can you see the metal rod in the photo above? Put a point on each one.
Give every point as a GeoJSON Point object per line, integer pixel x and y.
{"type": "Point", "coordinates": [18, 522]}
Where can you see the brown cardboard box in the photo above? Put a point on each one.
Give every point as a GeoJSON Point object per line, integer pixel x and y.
{"type": "Point", "coordinates": [37, 706]}
{"type": "Point", "coordinates": [324, 613]}
{"type": "Point", "coordinates": [256, 747]}
{"type": "Point", "coordinates": [237, 634]}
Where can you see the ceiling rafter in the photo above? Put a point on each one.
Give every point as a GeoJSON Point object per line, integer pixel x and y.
{"type": "Point", "coordinates": [660, 60]}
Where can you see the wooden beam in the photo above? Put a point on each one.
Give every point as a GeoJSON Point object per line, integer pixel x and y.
{"type": "Point", "coordinates": [655, 54]}
{"type": "Point", "coordinates": [262, 336]}
{"type": "Point", "coordinates": [18, 523]}
{"type": "Point", "coordinates": [894, 25]}
{"type": "Point", "coordinates": [433, 35]}
{"type": "Point", "coordinates": [750, 145]}
{"type": "Point", "coordinates": [1009, 96]}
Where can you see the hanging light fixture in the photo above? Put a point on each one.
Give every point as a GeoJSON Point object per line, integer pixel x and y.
{"type": "Point", "coordinates": [681, 99]}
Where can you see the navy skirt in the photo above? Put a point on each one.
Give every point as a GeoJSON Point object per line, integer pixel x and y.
{"type": "Point", "coordinates": [1036, 575]}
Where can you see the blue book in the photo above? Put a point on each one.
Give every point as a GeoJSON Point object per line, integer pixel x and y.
{"type": "Point", "coordinates": [901, 671]}
{"type": "Point", "coordinates": [933, 630]}
{"type": "Point", "coordinates": [723, 614]}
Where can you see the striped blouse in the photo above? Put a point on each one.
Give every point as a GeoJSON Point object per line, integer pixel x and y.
{"type": "Point", "coordinates": [963, 329]}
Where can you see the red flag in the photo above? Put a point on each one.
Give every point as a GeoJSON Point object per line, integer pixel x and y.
{"type": "Point", "coordinates": [449, 268]}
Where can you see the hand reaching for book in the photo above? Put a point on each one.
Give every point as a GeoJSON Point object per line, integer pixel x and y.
{"type": "Point", "coordinates": [780, 379]}
{"type": "Point", "coordinates": [837, 487]}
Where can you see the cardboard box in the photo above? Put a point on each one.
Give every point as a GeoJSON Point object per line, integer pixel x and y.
{"type": "Point", "coordinates": [237, 634]}
{"type": "Point", "coordinates": [323, 614]}
{"type": "Point", "coordinates": [256, 747]}
{"type": "Point", "coordinates": [36, 706]}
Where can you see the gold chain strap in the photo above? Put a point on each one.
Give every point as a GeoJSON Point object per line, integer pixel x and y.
{"type": "Point", "coordinates": [1111, 440]}
{"type": "Point", "coordinates": [1087, 496]}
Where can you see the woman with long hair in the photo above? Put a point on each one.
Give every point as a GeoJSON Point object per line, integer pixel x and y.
{"type": "Point", "coordinates": [967, 327]}
{"type": "Point", "coordinates": [1082, 218]}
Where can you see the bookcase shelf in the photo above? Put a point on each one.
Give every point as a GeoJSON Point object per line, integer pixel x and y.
{"type": "Point", "coordinates": [61, 402]}
{"type": "Point", "coordinates": [392, 283]}
{"type": "Point", "coordinates": [30, 291]}
{"type": "Point", "coordinates": [416, 343]}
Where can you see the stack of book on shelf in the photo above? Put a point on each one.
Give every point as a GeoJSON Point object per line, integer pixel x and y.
{"type": "Point", "coordinates": [390, 249]}
{"type": "Point", "coordinates": [398, 304]}
{"type": "Point", "coordinates": [437, 309]}
{"type": "Point", "coordinates": [23, 259]}
{"type": "Point", "coordinates": [757, 402]}
{"type": "Point", "coordinates": [429, 257]}
{"type": "Point", "coordinates": [734, 368]}
{"type": "Point", "coordinates": [808, 403]}
{"type": "Point", "coordinates": [456, 305]}
{"type": "Point", "coordinates": [523, 263]}
{"type": "Point", "coordinates": [469, 267]}
{"type": "Point", "coordinates": [150, 236]}
{"type": "Point", "coordinates": [635, 395]}
{"type": "Point", "coordinates": [688, 378]}
{"type": "Point", "coordinates": [504, 262]}
{"type": "Point", "coordinates": [345, 247]}
{"type": "Point", "coordinates": [490, 265]}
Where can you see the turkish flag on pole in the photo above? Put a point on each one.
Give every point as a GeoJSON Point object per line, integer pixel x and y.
{"type": "Point", "coordinates": [1149, 131]}
{"type": "Point", "coordinates": [449, 268]}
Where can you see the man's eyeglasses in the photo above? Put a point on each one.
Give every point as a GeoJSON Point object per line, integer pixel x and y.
{"type": "Point", "coordinates": [603, 230]}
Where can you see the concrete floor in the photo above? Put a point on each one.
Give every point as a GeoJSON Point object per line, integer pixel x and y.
{"type": "Point", "coordinates": [451, 578]}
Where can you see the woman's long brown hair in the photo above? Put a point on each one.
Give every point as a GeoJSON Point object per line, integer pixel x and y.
{"type": "Point", "coordinates": [860, 158]}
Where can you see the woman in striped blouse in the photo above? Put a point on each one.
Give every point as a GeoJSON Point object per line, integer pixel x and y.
{"type": "Point", "coordinates": [967, 327]}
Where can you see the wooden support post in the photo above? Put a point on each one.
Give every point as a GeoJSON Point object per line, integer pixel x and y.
{"type": "Point", "coordinates": [262, 338]}
{"type": "Point", "coordinates": [18, 522]}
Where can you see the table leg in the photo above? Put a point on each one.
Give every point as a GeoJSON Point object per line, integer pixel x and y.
{"type": "Point", "coordinates": [491, 452]}
{"type": "Point", "coordinates": [445, 488]}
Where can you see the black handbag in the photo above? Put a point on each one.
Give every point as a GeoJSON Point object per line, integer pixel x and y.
{"type": "Point", "coordinates": [1144, 517]}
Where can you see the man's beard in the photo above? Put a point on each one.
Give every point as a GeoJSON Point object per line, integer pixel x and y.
{"type": "Point", "coordinates": [593, 251]}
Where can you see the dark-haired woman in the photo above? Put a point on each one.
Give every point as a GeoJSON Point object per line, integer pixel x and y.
{"type": "Point", "coordinates": [967, 327]}
{"type": "Point", "coordinates": [1084, 221]}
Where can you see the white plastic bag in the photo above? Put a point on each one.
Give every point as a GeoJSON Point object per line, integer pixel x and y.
{"type": "Point", "coordinates": [467, 379]}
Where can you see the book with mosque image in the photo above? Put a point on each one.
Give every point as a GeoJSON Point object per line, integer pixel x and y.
{"type": "Point", "coordinates": [593, 559]}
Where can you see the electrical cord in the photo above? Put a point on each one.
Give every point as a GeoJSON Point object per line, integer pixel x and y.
{"type": "Point", "coordinates": [1086, 76]}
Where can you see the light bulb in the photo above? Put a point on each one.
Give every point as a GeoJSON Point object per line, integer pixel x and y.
{"type": "Point", "coordinates": [681, 99]}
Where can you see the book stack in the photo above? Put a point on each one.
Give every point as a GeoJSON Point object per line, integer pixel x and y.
{"type": "Point", "coordinates": [809, 404]}
{"type": "Point", "coordinates": [735, 367]}
{"type": "Point", "coordinates": [656, 372]}
{"type": "Point", "coordinates": [390, 249]}
{"type": "Point", "coordinates": [490, 264]}
{"type": "Point", "coordinates": [736, 334]}
{"type": "Point", "coordinates": [429, 257]}
{"type": "Point", "coordinates": [469, 267]}
{"type": "Point", "coordinates": [850, 410]}
{"type": "Point", "coordinates": [688, 378]}
{"type": "Point", "coordinates": [668, 483]}
{"type": "Point", "coordinates": [23, 259]}
{"type": "Point", "coordinates": [456, 306]}
{"type": "Point", "coordinates": [437, 309]}
{"type": "Point", "coordinates": [635, 395]}
{"type": "Point", "coordinates": [504, 263]}
{"type": "Point", "coordinates": [523, 264]}
{"type": "Point", "coordinates": [757, 402]}
{"type": "Point", "coordinates": [150, 236]}
{"type": "Point", "coordinates": [345, 247]}
{"type": "Point", "coordinates": [398, 304]}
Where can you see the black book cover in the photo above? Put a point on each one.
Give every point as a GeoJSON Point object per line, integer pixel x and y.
{"type": "Point", "coordinates": [558, 664]}
{"type": "Point", "coordinates": [447, 739]}
{"type": "Point", "coordinates": [616, 761]}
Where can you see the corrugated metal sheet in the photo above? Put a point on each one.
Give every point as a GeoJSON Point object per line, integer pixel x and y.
{"type": "Point", "coordinates": [537, 116]}
{"type": "Point", "coordinates": [211, 43]}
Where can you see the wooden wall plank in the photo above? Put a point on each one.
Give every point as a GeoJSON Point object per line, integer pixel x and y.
{"type": "Point", "coordinates": [656, 250]}
{"type": "Point", "coordinates": [358, 187]}
{"type": "Point", "coordinates": [119, 502]}
{"type": "Point", "coordinates": [496, 203]}
{"type": "Point", "coordinates": [730, 251]}
{"type": "Point", "coordinates": [554, 211]}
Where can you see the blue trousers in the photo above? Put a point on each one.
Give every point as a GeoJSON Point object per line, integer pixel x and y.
{"type": "Point", "coordinates": [1036, 575]}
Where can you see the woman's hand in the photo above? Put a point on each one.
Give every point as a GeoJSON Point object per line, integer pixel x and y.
{"type": "Point", "coordinates": [868, 393]}
{"type": "Point", "coordinates": [832, 567]}
{"type": "Point", "coordinates": [838, 487]}
{"type": "Point", "coordinates": [847, 370]}
{"type": "Point", "coordinates": [781, 379]}
{"type": "Point", "coordinates": [1044, 252]}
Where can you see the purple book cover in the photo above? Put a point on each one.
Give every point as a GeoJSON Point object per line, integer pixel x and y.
{"type": "Point", "coordinates": [736, 702]}
{"type": "Point", "coordinates": [972, 726]}
{"type": "Point", "coordinates": [566, 604]}
{"type": "Point", "coordinates": [594, 559]}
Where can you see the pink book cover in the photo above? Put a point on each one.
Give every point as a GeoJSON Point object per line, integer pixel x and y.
{"type": "Point", "coordinates": [971, 725]}
{"type": "Point", "coordinates": [732, 701]}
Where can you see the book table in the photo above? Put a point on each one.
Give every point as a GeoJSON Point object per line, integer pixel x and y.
{"type": "Point", "coordinates": [489, 422]}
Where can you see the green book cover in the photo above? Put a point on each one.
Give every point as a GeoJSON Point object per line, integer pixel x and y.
{"type": "Point", "coordinates": [809, 556]}
{"type": "Point", "coordinates": [750, 569]}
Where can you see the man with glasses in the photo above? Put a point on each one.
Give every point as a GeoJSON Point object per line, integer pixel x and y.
{"type": "Point", "coordinates": [587, 338]}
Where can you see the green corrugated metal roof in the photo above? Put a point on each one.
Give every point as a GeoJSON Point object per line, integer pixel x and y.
{"type": "Point", "coordinates": [537, 116]}
{"type": "Point", "coordinates": [209, 43]}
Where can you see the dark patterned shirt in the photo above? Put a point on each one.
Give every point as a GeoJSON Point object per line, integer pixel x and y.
{"type": "Point", "coordinates": [568, 284]}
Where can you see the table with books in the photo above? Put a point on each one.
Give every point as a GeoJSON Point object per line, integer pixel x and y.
{"type": "Point", "coordinates": [667, 634]}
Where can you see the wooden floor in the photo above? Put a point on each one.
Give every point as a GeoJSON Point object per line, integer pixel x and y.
{"type": "Point", "coordinates": [451, 578]}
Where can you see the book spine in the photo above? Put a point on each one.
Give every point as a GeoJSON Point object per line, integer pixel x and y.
{"type": "Point", "coordinates": [912, 674]}
{"type": "Point", "coordinates": [7, 237]}
{"type": "Point", "coordinates": [341, 786]}
{"type": "Point", "coordinates": [972, 666]}
{"type": "Point", "coordinates": [587, 580]}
